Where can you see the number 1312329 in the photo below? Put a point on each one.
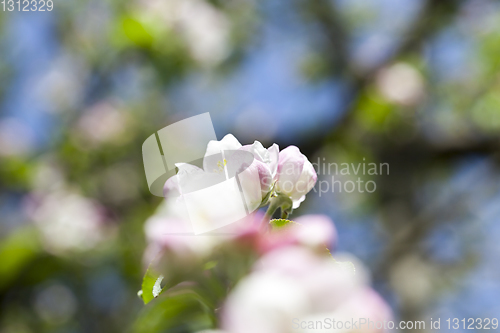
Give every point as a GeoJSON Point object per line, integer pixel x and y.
{"type": "Point", "coordinates": [27, 5]}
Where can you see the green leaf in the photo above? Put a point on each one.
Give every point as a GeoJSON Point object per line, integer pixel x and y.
{"type": "Point", "coordinates": [16, 251]}
{"type": "Point", "coordinates": [209, 265]}
{"type": "Point", "coordinates": [183, 311]}
{"type": "Point", "coordinates": [279, 224]}
{"type": "Point", "coordinates": [151, 285]}
{"type": "Point", "coordinates": [136, 32]}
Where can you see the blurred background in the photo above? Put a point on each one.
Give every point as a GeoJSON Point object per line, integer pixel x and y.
{"type": "Point", "coordinates": [411, 83]}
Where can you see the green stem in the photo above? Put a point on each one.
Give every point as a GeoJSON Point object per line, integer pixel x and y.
{"type": "Point", "coordinates": [273, 206]}
{"type": "Point", "coordinates": [279, 201]}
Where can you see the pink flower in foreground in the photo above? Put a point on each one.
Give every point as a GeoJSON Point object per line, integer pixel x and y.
{"type": "Point", "coordinates": [167, 231]}
{"type": "Point", "coordinates": [293, 285]}
{"type": "Point", "coordinates": [313, 231]}
{"type": "Point", "coordinates": [295, 176]}
{"type": "Point", "coordinates": [170, 231]}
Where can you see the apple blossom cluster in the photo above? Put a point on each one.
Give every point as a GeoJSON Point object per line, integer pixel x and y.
{"type": "Point", "coordinates": [280, 179]}
{"type": "Point", "coordinates": [258, 274]}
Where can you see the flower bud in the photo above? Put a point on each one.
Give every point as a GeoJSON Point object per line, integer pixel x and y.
{"type": "Point", "coordinates": [295, 176]}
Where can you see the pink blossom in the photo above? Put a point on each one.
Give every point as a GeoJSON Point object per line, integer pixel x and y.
{"type": "Point", "coordinates": [295, 176]}
{"type": "Point", "coordinates": [313, 231]}
{"type": "Point", "coordinates": [296, 283]}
